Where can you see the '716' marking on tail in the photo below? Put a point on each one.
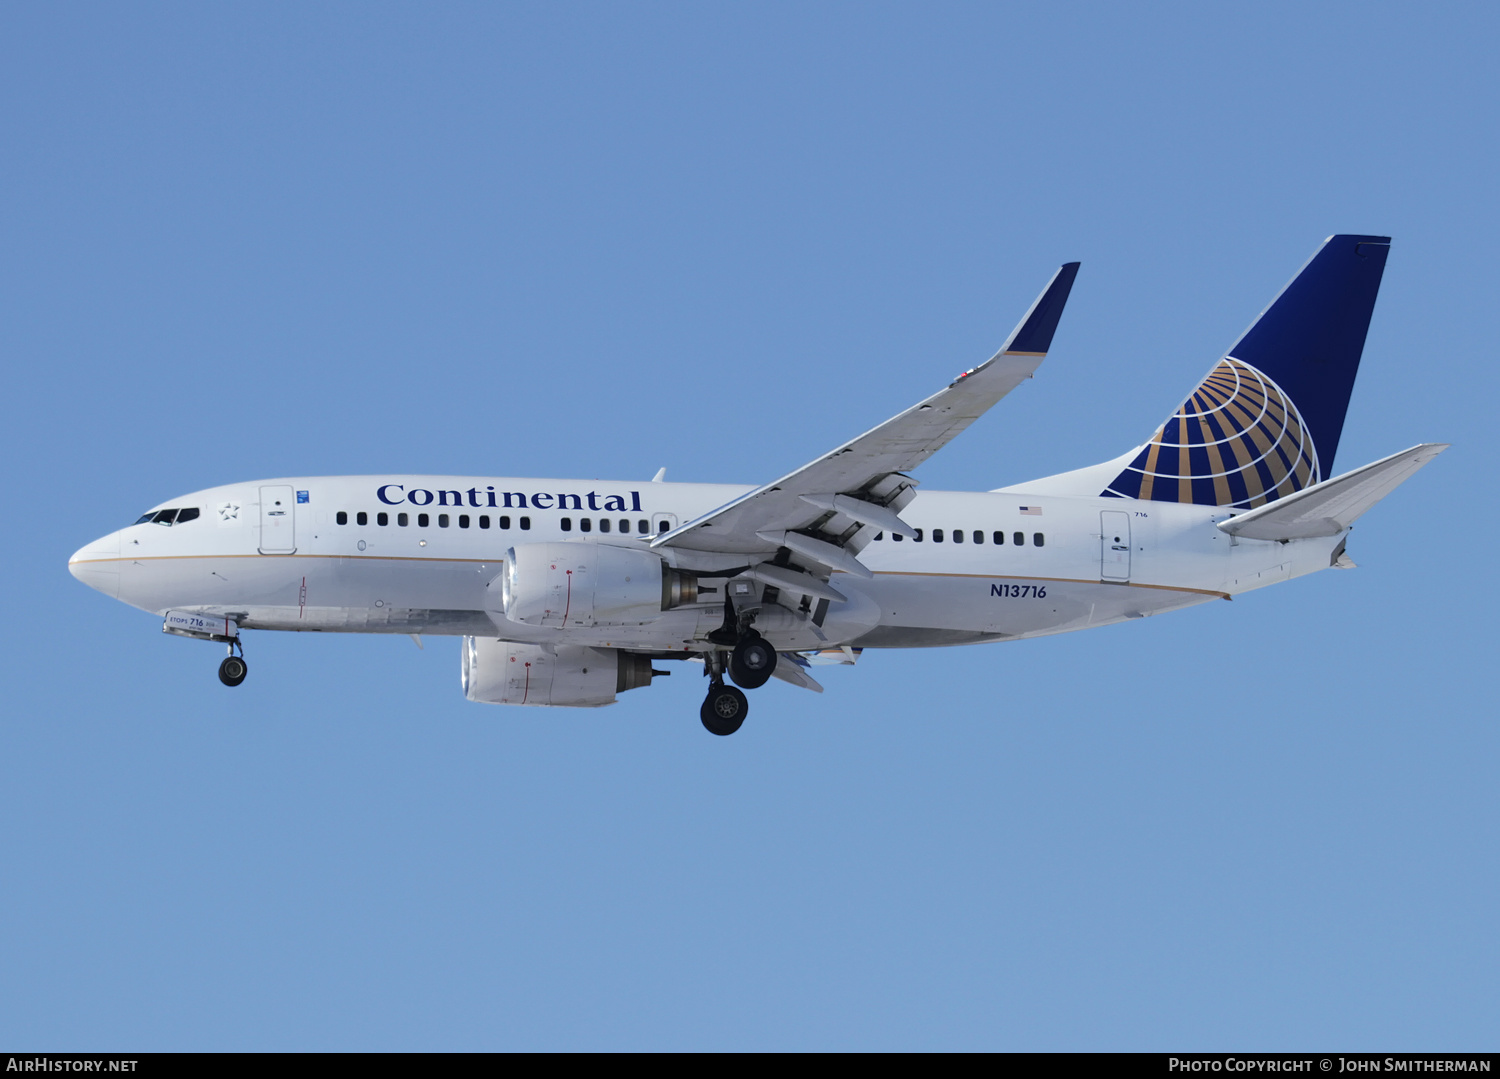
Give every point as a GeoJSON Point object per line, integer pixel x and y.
{"type": "Point", "coordinates": [1019, 591]}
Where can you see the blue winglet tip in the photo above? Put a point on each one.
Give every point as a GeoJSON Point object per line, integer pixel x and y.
{"type": "Point", "coordinates": [1035, 334]}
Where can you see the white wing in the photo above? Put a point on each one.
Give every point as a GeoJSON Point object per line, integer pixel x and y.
{"type": "Point", "coordinates": [827, 510]}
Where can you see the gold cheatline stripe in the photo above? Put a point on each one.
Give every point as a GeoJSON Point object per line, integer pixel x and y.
{"type": "Point", "coordinates": [1060, 580]}
{"type": "Point", "coordinates": [498, 561]}
{"type": "Point", "coordinates": [378, 557]}
{"type": "Point", "coordinates": [1023, 354]}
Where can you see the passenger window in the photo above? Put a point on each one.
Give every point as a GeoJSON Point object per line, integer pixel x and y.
{"type": "Point", "coordinates": [164, 517]}
{"type": "Point", "coordinates": [897, 537]}
{"type": "Point", "coordinates": [402, 519]}
{"type": "Point", "coordinates": [463, 520]}
{"type": "Point", "coordinates": [604, 524]}
{"type": "Point", "coordinates": [978, 536]}
{"type": "Point", "coordinates": [999, 539]}
{"type": "Point", "coordinates": [422, 520]}
{"type": "Point", "coordinates": [341, 517]}
{"type": "Point", "coordinates": [585, 524]}
{"type": "Point", "coordinates": [361, 518]}
{"type": "Point", "coordinates": [643, 527]}
{"type": "Point", "coordinates": [189, 514]}
{"type": "Point", "coordinates": [624, 524]}
{"type": "Point", "coordinates": [880, 535]}
{"type": "Point", "coordinates": [918, 537]}
{"type": "Point", "coordinates": [442, 520]}
{"type": "Point", "coordinates": [567, 524]}
{"type": "Point", "coordinates": [1019, 539]}
{"type": "Point", "coordinates": [525, 524]}
{"type": "Point", "coordinates": [504, 522]}
{"type": "Point", "coordinates": [484, 520]}
{"type": "Point", "coordinates": [937, 535]}
{"type": "Point", "coordinates": [382, 519]}
{"type": "Point", "coordinates": [662, 526]}
{"type": "Point", "coordinates": [958, 535]}
{"type": "Point", "coordinates": [1038, 539]}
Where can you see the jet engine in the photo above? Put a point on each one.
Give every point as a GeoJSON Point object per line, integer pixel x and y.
{"type": "Point", "coordinates": [568, 585]}
{"type": "Point", "coordinates": [570, 676]}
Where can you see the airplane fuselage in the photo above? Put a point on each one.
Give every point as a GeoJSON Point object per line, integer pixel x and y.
{"type": "Point", "coordinates": [567, 592]}
{"type": "Point", "coordinates": [420, 555]}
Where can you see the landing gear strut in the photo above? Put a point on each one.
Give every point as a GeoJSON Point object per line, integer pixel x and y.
{"type": "Point", "coordinates": [233, 670]}
{"type": "Point", "coordinates": [750, 663]}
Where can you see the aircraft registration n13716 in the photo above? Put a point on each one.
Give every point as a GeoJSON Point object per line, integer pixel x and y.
{"type": "Point", "coordinates": [567, 593]}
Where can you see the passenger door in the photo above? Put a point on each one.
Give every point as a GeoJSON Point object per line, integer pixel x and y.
{"type": "Point", "coordinates": [278, 520]}
{"type": "Point", "coordinates": [1114, 545]}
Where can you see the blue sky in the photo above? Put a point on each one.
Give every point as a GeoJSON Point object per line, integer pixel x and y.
{"type": "Point", "coordinates": [593, 240]}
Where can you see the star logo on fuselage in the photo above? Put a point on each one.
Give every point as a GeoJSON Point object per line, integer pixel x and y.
{"type": "Point", "coordinates": [229, 511]}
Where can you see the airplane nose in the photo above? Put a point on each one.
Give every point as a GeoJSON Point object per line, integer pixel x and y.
{"type": "Point", "coordinates": [98, 564]}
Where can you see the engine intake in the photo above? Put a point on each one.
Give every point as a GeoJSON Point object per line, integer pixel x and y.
{"type": "Point", "coordinates": [590, 584]}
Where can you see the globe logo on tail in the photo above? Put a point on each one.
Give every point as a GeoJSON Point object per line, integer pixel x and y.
{"type": "Point", "coordinates": [1238, 440]}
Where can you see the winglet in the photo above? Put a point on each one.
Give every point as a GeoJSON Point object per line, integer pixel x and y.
{"type": "Point", "coordinates": [1034, 334]}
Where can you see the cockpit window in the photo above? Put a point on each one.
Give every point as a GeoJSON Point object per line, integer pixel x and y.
{"type": "Point", "coordinates": [169, 517]}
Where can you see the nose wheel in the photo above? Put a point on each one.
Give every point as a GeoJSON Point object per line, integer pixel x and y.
{"type": "Point", "coordinates": [233, 670]}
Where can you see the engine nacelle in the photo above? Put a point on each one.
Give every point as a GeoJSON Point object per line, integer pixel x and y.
{"type": "Point", "coordinates": [576, 585]}
{"type": "Point", "coordinates": [568, 676]}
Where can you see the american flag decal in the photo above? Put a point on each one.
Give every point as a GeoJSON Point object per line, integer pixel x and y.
{"type": "Point", "coordinates": [1031, 511]}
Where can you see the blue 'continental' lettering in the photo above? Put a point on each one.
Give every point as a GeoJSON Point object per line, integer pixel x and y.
{"type": "Point", "coordinates": [394, 494]}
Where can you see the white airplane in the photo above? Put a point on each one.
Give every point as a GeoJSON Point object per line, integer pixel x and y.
{"type": "Point", "coordinates": [568, 592]}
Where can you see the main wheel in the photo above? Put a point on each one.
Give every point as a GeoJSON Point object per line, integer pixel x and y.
{"type": "Point", "coordinates": [232, 671]}
{"type": "Point", "coordinates": [751, 662]}
{"type": "Point", "coordinates": [724, 710]}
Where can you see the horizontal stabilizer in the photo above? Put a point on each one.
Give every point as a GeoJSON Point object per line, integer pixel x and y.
{"type": "Point", "coordinates": [1327, 508]}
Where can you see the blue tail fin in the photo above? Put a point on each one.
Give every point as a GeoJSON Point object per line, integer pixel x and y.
{"type": "Point", "coordinates": [1266, 421]}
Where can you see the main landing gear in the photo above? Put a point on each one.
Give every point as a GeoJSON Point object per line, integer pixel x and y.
{"type": "Point", "coordinates": [233, 670]}
{"type": "Point", "coordinates": [750, 664]}
{"type": "Point", "coordinates": [724, 709]}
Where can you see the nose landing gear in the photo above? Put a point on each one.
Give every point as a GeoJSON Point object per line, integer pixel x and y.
{"type": "Point", "coordinates": [233, 670]}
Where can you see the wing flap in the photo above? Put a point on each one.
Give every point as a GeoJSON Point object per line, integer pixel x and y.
{"type": "Point", "coordinates": [790, 670]}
